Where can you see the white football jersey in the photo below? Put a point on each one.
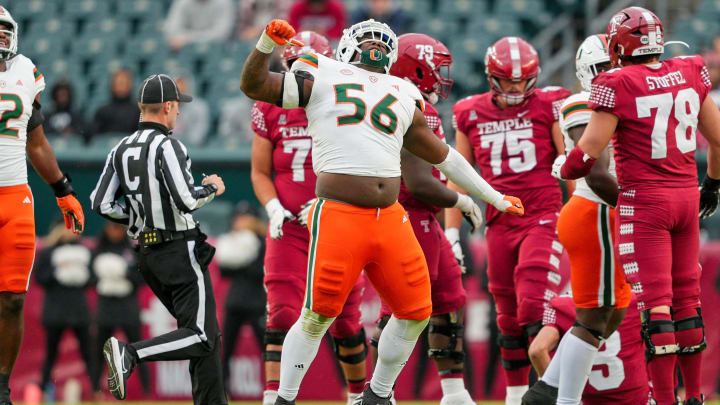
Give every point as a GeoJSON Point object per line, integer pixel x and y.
{"type": "Point", "coordinates": [19, 84]}
{"type": "Point", "coordinates": [574, 112]}
{"type": "Point", "coordinates": [357, 118]}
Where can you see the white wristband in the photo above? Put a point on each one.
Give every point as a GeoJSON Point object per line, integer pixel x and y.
{"type": "Point", "coordinates": [452, 234]}
{"type": "Point", "coordinates": [464, 203]}
{"type": "Point", "coordinates": [457, 169]}
{"type": "Point", "coordinates": [272, 206]}
{"type": "Point", "coordinates": [265, 44]}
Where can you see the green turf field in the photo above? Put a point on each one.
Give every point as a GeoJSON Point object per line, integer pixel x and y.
{"type": "Point", "coordinates": [303, 403]}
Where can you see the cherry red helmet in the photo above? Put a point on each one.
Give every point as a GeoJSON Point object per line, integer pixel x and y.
{"type": "Point", "coordinates": [515, 59]}
{"type": "Point", "coordinates": [314, 43]}
{"type": "Point", "coordinates": [634, 31]}
{"type": "Point", "coordinates": [425, 62]}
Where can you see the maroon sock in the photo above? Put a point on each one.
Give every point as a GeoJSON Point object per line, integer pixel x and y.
{"type": "Point", "coordinates": [689, 363]}
{"type": "Point", "coordinates": [661, 368]}
{"type": "Point", "coordinates": [356, 386]}
{"type": "Point", "coordinates": [272, 385]}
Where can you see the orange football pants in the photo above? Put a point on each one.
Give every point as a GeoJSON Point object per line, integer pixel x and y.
{"type": "Point", "coordinates": [345, 239]}
{"type": "Point", "coordinates": [17, 237]}
{"type": "Point", "coordinates": [586, 228]}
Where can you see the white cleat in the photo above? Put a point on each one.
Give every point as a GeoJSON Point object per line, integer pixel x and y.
{"type": "Point", "coordinates": [269, 397]}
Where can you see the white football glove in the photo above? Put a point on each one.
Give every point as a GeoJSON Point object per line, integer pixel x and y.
{"type": "Point", "coordinates": [470, 211]}
{"type": "Point", "coordinates": [278, 216]}
{"type": "Point", "coordinates": [305, 212]}
{"type": "Point", "coordinates": [557, 165]}
{"type": "Point", "coordinates": [453, 236]}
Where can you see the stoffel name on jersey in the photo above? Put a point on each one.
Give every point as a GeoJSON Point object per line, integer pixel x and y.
{"type": "Point", "coordinates": [493, 127]}
{"type": "Point", "coordinates": [669, 80]}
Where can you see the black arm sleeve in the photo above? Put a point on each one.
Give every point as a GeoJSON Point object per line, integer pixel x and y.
{"type": "Point", "coordinates": [36, 119]}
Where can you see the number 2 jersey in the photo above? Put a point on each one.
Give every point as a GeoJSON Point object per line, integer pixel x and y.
{"type": "Point", "coordinates": [357, 118]}
{"type": "Point", "coordinates": [292, 155]}
{"type": "Point", "coordinates": [657, 107]}
{"type": "Point", "coordinates": [514, 150]}
{"type": "Point", "coordinates": [619, 373]}
{"type": "Point", "coordinates": [20, 83]}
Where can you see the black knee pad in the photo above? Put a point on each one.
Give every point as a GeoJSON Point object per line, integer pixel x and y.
{"type": "Point", "coordinates": [532, 329]}
{"type": "Point", "coordinates": [454, 331]}
{"type": "Point", "coordinates": [693, 322]}
{"type": "Point", "coordinates": [510, 342]}
{"type": "Point", "coordinates": [350, 342]}
{"type": "Point", "coordinates": [651, 327]}
{"type": "Point", "coordinates": [381, 325]}
{"type": "Point", "coordinates": [273, 337]}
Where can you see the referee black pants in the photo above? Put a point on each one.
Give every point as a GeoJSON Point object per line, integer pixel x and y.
{"type": "Point", "coordinates": [177, 272]}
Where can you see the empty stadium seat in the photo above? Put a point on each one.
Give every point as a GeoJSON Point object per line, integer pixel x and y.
{"type": "Point", "coordinates": [87, 9]}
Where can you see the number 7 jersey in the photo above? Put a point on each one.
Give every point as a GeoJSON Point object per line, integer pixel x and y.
{"type": "Point", "coordinates": [294, 178]}
{"type": "Point", "coordinates": [657, 107]}
{"type": "Point", "coordinates": [357, 118]}
{"type": "Point", "coordinates": [20, 83]}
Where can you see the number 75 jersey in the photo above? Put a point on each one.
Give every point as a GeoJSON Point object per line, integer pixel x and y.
{"type": "Point", "coordinates": [513, 146]}
{"type": "Point", "coordinates": [19, 84]}
{"type": "Point", "coordinates": [657, 107]}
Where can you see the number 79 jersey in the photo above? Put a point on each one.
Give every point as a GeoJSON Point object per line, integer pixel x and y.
{"type": "Point", "coordinates": [20, 83]}
{"type": "Point", "coordinates": [657, 107]}
{"type": "Point", "coordinates": [357, 118]}
{"type": "Point", "coordinates": [292, 156]}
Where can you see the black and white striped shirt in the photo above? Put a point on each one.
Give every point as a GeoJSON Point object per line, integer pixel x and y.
{"type": "Point", "coordinates": [151, 170]}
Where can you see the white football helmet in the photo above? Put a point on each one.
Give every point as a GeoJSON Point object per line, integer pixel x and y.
{"type": "Point", "coordinates": [592, 52]}
{"type": "Point", "coordinates": [9, 52]}
{"type": "Point", "coordinates": [352, 38]}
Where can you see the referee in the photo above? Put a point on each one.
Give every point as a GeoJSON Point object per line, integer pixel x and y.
{"type": "Point", "coordinates": [150, 170]}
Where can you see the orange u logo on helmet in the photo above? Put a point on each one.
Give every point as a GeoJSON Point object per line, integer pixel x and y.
{"type": "Point", "coordinates": [375, 55]}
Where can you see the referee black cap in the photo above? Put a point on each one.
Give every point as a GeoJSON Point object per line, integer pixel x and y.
{"type": "Point", "coordinates": [159, 89]}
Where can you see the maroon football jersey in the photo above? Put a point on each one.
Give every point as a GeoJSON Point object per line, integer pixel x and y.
{"type": "Point", "coordinates": [657, 107]}
{"type": "Point", "coordinates": [619, 370]}
{"type": "Point", "coordinates": [406, 198]}
{"type": "Point", "coordinates": [513, 148]}
{"type": "Point", "coordinates": [292, 159]}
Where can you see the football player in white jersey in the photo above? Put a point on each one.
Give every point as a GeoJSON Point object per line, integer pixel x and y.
{"type": "Point", "coordinates": [359, 118]}
{"type": "Point", "coordinates": [21, 136]}
{"type": "Point", "coordinates": [585, 227]}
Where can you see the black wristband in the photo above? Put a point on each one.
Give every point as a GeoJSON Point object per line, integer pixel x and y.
{"type": "Point", "coordinates": [710, 184]}
{"type": "Point", "coordinates": [62, 187]}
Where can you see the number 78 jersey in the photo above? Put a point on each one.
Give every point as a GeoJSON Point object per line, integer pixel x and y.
{"type": "Point", "coordinates": [357, 118]}
{"type": "Point", "coordinates": [20, 83]}
{"type": "Point", "coordinates": [657, 107]}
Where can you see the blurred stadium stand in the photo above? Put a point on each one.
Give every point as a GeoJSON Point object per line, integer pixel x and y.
{"type": "Point", "coordinates": [85, 40]}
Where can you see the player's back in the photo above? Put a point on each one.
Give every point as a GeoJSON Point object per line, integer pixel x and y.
{"type": "Point", "coordinates": [513, 147]}
{"type": "Point", "coordinates": [294, 178]}
{"type": "Point", "coordinates": [657, 107]}
{"type": "Point", "coordinates": [20, 82]}
{"type": "Point", "coordinates": [406, 198]}
{"type": "Point", "coordinates": [357, 118]}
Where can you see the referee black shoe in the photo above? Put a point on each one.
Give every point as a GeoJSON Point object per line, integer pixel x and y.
{"type": "Point", "coordinates": [120, 364]}
{"type": "Point", "coordinates": [540, 394]}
